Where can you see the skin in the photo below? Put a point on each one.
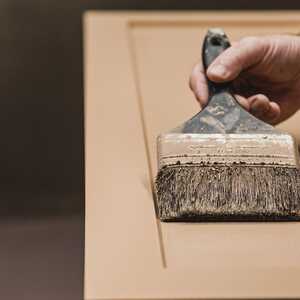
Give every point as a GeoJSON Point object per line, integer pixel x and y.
{"type": "Point", "coordinates": [265, 72]}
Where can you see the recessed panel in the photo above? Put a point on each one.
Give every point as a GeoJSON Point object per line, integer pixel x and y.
{"type": "Point", "coordinates": [136, 85]}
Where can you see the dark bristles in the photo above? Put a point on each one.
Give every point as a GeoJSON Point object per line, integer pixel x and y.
{"type": "Point", "coordinates": [232, 193]}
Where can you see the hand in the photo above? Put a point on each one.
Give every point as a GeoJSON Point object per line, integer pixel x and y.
{"type": "Point", "coordinates": [265, 72]}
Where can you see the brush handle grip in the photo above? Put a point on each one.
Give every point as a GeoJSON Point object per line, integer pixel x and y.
{"type": "Point", "coordinates": [214, 44]}
{"type": "Point", "coordinates": [223, 114]}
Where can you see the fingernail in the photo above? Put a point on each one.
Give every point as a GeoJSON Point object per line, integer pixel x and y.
{"type": "Point", "coordinates": [218, 70]}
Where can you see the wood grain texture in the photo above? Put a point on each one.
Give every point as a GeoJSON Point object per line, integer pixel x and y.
{"type": "Point", "coordinates": [136, 73]}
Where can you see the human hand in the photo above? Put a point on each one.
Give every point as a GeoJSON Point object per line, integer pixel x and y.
{"type": "Point", "coordinates": [265, 75]}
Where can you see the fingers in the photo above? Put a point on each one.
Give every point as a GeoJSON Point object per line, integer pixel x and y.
{"type": "Point", "coordinates": [198, 84]}
{"type": "Point", "coordinates": [240, 56]}
{"type": "Point", "coordinates": [264, 109]}
{"type": "Point", "coordinates": [261, 107]}
{"type": "Point", "coordinates": [243, 101]}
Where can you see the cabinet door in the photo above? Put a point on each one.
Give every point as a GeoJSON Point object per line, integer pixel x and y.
{"type": "Point", "coordinates": [136, 85]}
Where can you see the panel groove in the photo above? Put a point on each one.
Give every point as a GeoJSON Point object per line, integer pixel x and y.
{"type": "Point", "coordinates": [147, 148]}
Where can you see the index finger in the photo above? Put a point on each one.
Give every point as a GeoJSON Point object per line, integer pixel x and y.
{"type": "Point", "coordinates": [198, 84]}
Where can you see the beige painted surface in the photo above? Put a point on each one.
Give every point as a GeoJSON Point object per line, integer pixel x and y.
{"type": "Point", "coordinates": [136, 73]}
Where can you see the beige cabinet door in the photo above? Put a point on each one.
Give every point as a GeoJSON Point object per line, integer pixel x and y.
{"type": "Point", "coordinates": [136, 85]}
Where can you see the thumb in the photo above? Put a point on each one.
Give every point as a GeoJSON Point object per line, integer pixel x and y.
{"type": "Point", "coordinates": [246, 53]}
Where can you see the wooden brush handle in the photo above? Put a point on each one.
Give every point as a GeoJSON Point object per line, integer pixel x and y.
{"type": "Point", "coordinates": [215, 42]}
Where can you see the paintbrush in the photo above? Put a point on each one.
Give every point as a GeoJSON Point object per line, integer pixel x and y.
{"type": "Point", "coordinates": [224, 164]}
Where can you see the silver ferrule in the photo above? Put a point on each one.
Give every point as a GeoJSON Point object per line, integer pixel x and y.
{"type": "Point", "coordinates": [248, 149]}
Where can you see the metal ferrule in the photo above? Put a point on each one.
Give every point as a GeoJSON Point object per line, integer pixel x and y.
{"type": "Point", "coordinates": [245, 149]}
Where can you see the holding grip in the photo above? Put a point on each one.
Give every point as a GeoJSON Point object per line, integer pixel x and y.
{"type": "Point", "coordinates": [215, 42]}
{"type": "Point", "coordinates": [223, 114]}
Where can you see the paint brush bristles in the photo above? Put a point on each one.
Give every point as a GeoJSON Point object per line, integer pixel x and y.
{"type": "Point", "coordinates": [194, 192]}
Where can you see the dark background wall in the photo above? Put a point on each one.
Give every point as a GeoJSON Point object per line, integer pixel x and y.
{"type": "Point", "coordinates": [41, 149]}
{"type": "Point", "coordinates": [41, 111]}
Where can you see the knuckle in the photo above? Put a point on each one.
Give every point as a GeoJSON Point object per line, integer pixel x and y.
{"type": "Point", "coordinates": [262, 97]}
{"type": "Point", "coordinates": [253, 42]}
